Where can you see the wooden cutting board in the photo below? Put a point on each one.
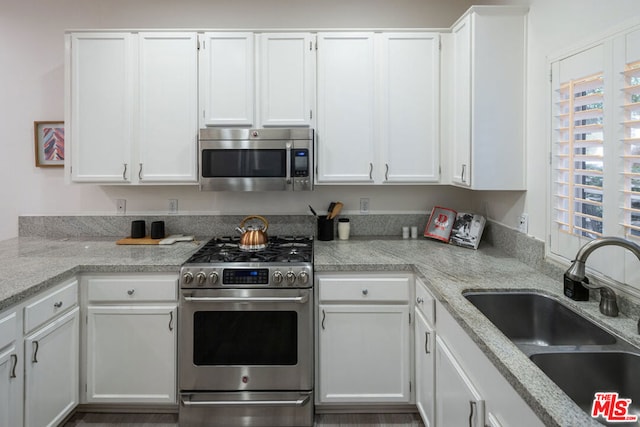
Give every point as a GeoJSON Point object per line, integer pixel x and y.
{"type": "Point", "coordinates": [142, 241]}
{"type": "Point", "coordinates": [149, 241]}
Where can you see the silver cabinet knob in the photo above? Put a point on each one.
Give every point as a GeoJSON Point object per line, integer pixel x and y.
{"type": "Point", "coordinates": [419, 300]}
{"type": "Point", "coordinates": [365, 292]}
{"type": "Point", "coordinates": [131, 291]}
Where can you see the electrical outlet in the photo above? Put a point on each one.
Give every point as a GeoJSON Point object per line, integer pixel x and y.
{"type": "Point", "coordinates": [173, 206]}
{"type": "Point", "coordinates": [121, 206]}
{"type": "Point", "coordinates": [364, 205]}
{"type": "Point", "coordinates": [523, 223]}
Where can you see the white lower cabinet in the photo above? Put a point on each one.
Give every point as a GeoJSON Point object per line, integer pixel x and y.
{"type": "Point", "coordinates": [458, 402]}
{"type": "Point", "coordinates": [11, 378]}
{"type": "Point", "coordinates": [51, 371]}
{"type": "Point", "coordinates": [424, 352]}
{"type": "Point", "coordinates": [364, 342]}
{"type": "Point", "coordinates": [130, 339]}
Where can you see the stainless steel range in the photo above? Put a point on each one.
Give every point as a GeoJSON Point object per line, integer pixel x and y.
{"type": "Point", "coordinates": [246, 334]}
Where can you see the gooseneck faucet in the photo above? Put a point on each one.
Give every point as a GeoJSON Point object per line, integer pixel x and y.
{"type": "Point", "coordinates": [608, 303]}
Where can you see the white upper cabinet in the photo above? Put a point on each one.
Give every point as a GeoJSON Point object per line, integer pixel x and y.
{"type": "Point", "coordinates": [168, 90]}
{"type": "Point", "coordinates": [226, 79]}
{"type": "Point", "coordinates": [378, 103]}
{"type": "Point", "coordinates": [486, 106]}
{"type": "Point", "coordinates": [346, 107]}
{"type": "Point", "coordinates": [410, 104]}
{"type": "Point", "coordinates": [286, 78]}
{"type": "Point", "coordinates": [132, 107]}
{"type": "Point", "coordinates": [100, 106]}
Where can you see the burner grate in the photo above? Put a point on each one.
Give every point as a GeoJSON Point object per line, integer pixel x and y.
{"type": "Point", "coordinates": [278, 249]}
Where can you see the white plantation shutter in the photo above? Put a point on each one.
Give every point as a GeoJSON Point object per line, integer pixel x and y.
{"type": "Point", "coordinates": [579, 156]}
{"type": "Point", "coordinates": [631, 150]}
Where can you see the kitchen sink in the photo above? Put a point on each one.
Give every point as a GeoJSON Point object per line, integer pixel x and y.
{"type": "Point", "coordinates": [529, 318]}
{"type": "Point", "coordinates": [581, 374]}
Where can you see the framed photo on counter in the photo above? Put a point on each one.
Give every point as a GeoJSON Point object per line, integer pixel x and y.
{"type": "Point", "coordinates": [49, 144]}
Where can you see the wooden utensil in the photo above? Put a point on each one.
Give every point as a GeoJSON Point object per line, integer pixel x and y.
{"type": "Point", "coordinates": [335, 211]}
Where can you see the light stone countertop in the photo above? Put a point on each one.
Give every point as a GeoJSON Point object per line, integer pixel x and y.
{"type": "Point", "coordinates": [448, 271]}
{"type": "Point", "coordinates": [29, 265]}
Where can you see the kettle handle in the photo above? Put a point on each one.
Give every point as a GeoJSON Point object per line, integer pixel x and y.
{"type": "Point", "coordinates": [261, 218]}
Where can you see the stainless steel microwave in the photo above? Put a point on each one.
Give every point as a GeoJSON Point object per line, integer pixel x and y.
{"type": "Point", "coordinates": [275, 159]}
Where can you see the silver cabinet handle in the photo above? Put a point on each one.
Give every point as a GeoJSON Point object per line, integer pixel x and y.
{"type": "Point", "coordinates": [14, 361]}
{"type": "Point", "coordinates": [462, 178]}
{"type": "Point", "coordinates": [36, 346]}
{"type": "Point", "coordinates": [171, 321]}
{"type": "Point", "coordinates": [131, 291]}
{"type": "Point", "coordinates": [140, 172]}
{"type": "Point", "coordinates": [58, 304]}
{"type": "Point", "coordinates": [426, 343]}
{"type": "Point", "coordinates": [386, 172]}
{"type": "Point", "coordinates": [324, 316]}
{"type": "Point", "coordinates": [124, 172]}
{"type": "Point", "coordinates": [365, 292]}
{"type": "Point", "coordinates": [370, 170]}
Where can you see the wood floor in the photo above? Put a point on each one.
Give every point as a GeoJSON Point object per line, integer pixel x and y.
{"type": "Point", "coordinates": [171, 420]}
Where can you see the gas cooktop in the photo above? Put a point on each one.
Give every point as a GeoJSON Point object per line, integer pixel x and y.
{"type": "Point", "coordinates": [291, 249]}
{"type": "Point", "coordinates": [222, 263]}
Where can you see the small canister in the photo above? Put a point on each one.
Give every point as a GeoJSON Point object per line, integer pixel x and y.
{"type": "Point", "coordinates": [344, 227]}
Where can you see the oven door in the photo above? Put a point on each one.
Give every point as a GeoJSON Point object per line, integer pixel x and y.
{"type": "Point", "coordinates": [246, 339]}
{"type": "Point", "coordinates": [249, 165]}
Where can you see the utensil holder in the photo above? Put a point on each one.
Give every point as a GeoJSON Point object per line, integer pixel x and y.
{"type": "Point", "coordinates": [157, 230]}
{"type": "Point", "coordinates": [325, 228]}
{"type": "Point", "coordinates": [138, 229]}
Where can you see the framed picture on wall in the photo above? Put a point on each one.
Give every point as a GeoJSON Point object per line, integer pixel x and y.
{"type": "Point", "coordinates": [49, 144]}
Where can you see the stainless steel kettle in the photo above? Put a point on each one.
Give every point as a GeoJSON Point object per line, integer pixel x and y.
{"type": "Point", "coordinates": [253, 238]}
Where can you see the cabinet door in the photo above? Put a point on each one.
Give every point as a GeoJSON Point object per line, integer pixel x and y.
{"type": "Point", "coordinates": [227, 75]}
{"type": "Point", "coordinates": [51, 371]}
{"type": "Point", "coordinates": [346, 107]}
{"type": "Point", "coordinates": [364, 353]}
{"type": "Point", "coordinates": [425, 369]}
{"type": "Point", "coordinates": [138, 366]}
{"type": "Point", "coordinates": [168, 107]}
{"type": "Point", "coordinates": [458, 402]}
{"type": "Point", "coordinates": [410, 99]}
{"type": "Point", "coordinates": [461, 101]}
{"type": "Point", "coordinates": [101, 107]}
{"type": "Point", "coordinates": [10, 391]}
{"type": "Point", "coordinates": [286, 79]}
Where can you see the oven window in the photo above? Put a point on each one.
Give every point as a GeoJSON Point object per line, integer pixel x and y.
{"type": "Point", "coordinates": [231, 163]}
{"type": "Point", "coordinates": [245, 338]}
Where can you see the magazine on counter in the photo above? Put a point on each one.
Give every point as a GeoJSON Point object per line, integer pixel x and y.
{"type": "Point", "coordinates": [440, 223]}
{"type": "Point", "coordinates": [467, 230]}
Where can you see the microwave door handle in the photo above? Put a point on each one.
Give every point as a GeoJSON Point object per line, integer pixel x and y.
{"type": "Point", "coordinates": [288, 166]}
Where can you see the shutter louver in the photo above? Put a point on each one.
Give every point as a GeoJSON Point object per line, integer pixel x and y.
{"type": "Point", "coordinates": [631, 151]}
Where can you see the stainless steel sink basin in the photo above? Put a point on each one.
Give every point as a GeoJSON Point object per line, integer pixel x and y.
{"type": "Point", "coordinates": [582, 374]}
{"type": "Point", "coordinates": [536, 319]}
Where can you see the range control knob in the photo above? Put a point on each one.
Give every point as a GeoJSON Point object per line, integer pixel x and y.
{"type": "Point", "coordinates": [291, 277]}
{"type": "Point", "coordinates": [201, 278]}
{"type": "Point", "coordinates": [187, 277]}
{"type": "Point", "coordinates": [277, 277]}
{"type": "Point", "coordinates": [213, 277]}
{"type": "Point", "coordinates": [303, 277]}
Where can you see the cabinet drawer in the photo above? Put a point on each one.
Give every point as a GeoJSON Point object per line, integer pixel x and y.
{"type": "Point", "coordinates": [50, 305]}
{"type": "Point", "coordinates": [8, 325]}
{"type": "Point", "coordinates": [132, 289]}
{"type": "Point", "coordinates": [425, 302]}
{"type": "Point", "coordinates": [346, 289]}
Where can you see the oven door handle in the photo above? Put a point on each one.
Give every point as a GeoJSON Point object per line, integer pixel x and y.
{"type": "Point", "coordinates": [299, 402]}
{"type": "Point", "coordinates": [300, 300]}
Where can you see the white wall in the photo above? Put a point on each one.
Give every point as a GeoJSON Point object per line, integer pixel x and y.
{"type": "Point", "coordinates": [31, 72]}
